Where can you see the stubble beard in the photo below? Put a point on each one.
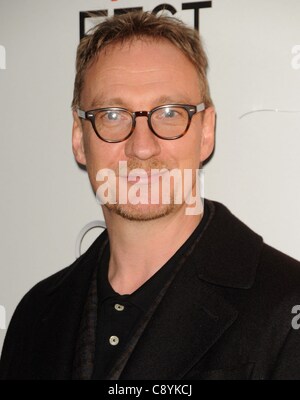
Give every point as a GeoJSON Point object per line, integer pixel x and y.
{"type": "Point", "coordinates": [144, 212]}
{"type": "Point", "coordinates": [141, 212]}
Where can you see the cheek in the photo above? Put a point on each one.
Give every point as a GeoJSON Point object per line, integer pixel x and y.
{"type": "Point", "coordinates": [195, 144]}
{"type": "Point", "coordinates": [188, 150]}
{"type": "Point", "coordinates": [100, 154]}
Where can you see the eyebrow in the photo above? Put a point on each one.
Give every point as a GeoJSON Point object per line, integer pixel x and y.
{"type": "Point", "coordinates": [100, 101]}
{"type": "Point", "coordinates": [176, 99]}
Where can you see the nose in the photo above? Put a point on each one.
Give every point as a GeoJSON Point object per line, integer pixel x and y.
{"type": "Point", "coordinates": [142, 144]}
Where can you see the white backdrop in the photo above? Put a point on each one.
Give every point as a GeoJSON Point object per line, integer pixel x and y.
{"type": "Point", "coordinates": [254, 52]}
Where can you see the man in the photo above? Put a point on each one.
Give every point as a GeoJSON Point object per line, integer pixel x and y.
{"type": "Point", "coordinates": [164, 293]}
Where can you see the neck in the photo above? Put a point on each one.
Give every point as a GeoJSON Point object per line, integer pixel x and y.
{"type": "Point", "coordinates": [138, 249]}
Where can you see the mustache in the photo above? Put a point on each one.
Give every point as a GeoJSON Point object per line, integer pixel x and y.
{"type": "Point", "coordinates": [144, 165]}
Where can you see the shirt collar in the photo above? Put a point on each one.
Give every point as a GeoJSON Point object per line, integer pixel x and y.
{"type": "Point", "coordinates": [146, 293]}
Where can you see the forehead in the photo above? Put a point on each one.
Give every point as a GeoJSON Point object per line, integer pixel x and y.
{"type": "Point", "coordinates": [141, 68]}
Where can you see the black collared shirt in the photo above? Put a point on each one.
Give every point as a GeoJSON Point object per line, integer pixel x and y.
{"type": "Point", "coordinates": [118, 314]}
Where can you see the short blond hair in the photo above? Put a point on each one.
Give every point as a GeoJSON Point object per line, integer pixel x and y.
{"type": "Point", "coordinates": [138, 25]}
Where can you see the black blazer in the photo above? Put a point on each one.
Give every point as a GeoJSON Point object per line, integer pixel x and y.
{"type": "Point", "coordinates": [226, 315]}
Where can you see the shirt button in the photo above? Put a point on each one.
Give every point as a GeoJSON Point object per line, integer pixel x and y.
{"type": "Point", "coordinates": [119, 307]}
{"type": "Point", "coordinates": [114, 340]}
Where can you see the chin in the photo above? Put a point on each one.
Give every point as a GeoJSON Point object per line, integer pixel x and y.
{"type": "Point", "coordinates": [141, 212]}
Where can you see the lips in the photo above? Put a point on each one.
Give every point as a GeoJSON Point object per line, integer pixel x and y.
{"type": "Point", "coordinates": [144, 177]}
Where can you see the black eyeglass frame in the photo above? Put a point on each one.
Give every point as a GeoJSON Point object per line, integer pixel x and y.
{"type": "Point", "coordinates": [190, 109]}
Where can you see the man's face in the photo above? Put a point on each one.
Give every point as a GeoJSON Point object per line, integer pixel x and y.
{"type": "Point", "coordinates": [139, 76]}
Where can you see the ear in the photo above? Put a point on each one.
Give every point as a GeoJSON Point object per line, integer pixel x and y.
{"type": "Point", "coordinates": [77, 140]}
{"type": "Point", "coordinates": [208, 134]}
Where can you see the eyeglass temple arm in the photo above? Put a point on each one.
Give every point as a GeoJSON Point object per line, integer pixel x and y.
{"type": "Point", "coordinates": [200, 107]}
{"type": "Point", "coordinates": [81, 114]}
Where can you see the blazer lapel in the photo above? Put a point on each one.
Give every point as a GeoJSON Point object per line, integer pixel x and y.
{"type": "Point", "coordinates": [56, 330]}
{"type": "Point", "coordinates": [186, 324]}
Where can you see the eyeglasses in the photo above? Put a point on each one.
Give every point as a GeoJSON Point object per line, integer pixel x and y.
{"type": "Point", "coordinates": [115, 124]}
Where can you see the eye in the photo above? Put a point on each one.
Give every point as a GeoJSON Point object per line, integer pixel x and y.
{"type": "Point", "coordinates": [112, 119]}
{"type": "Point", "coordinates": [170, 113]}
{"type": "Point", "coordinates": [112, 116]}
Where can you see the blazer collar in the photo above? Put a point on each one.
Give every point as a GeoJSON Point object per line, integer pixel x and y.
{"type": "Point", "coordinates": [191, 318]}
{"type": "Point", "coordinates": [228, 253]}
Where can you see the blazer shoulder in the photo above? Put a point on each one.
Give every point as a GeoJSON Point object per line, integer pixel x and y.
{"type": "Point", "coordinates": [239, 257]}
{"type": "Point", "coordinates": [82, 266]}
{"type": "Point", "coordinates": [52, 292]}
{"type": "Point", "coordinates": [279, 269]}
{"type": "Point", "coordinates": [35, 299]}
{"type": "Point", "coordinates": [71, 276]}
